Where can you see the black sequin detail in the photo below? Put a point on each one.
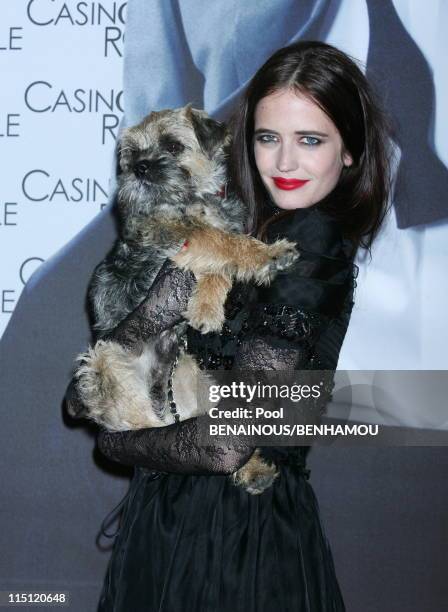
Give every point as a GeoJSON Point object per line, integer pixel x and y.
{"type": "Point", "coordinates": [216, 351]}
{"type": "Point", "coordinates": [284, 321]}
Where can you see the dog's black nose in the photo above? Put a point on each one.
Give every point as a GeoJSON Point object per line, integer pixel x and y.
{"type": "Point", "coordinates": [75, 407]}
{"type": "Point", "coordinates": [142, 169]}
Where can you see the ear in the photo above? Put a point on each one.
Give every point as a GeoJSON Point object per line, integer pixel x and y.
{"type": "Point", "coordinates": [123, 150]}
{"type": "Point", "coordinates": [211, 134]}
{"type": "Point", "coordinates": [347, 159]}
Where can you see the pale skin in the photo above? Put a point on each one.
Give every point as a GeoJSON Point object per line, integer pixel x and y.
{"type": "Point", "coordinates": [295, 139]}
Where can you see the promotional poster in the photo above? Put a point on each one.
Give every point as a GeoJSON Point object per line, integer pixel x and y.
{"type": "Point", "coordinates": [224, 236]}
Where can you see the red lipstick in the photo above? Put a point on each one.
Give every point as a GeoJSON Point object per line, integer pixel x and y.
{"type": "Point", "coordinates": [288, 184]}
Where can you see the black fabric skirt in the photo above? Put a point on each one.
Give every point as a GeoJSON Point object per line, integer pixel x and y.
{"type": "Point", "coordinates": [201, 544]}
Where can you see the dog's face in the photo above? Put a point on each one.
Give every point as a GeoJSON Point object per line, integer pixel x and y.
{"type": "Point", "coordinates": [169, 158]}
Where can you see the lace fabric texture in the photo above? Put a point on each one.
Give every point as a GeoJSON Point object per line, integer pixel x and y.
{"type": "Point", "coordinates": [276, 338]}
{"type": "Point", "coordinates": [258, 334]}
{"type": "Point", "coordinates": [160, 310]}
{"type": "Point", "coordinates": [174, 448]}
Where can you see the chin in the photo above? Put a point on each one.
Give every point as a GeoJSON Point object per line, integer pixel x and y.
{"type": "Point", "coordinates": [289, 200]}
{"type": "Point", "coordinates": [290, 203]}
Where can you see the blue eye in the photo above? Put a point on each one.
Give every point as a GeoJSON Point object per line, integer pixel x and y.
{"type": "Point", "coordinates": [310, 141]}
{"type": "Point", "coordinates": [265, 138]}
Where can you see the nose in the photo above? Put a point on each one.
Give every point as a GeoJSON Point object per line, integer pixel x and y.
{"type": "Point", "coordinates": [142, 169]}
{"type": "Point", "coordinates": [287, 158]}
{"type": "Point", "coordinates": [74, 405]}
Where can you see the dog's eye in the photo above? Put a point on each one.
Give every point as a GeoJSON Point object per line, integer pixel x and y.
{"type": "Point", "coordinates": [175, 147]}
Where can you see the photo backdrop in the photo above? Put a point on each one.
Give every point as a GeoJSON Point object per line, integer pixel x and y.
{"type": "Point", "coordinates": [384, 510]}
{"type": "Point", "coordinates": [60, 109]}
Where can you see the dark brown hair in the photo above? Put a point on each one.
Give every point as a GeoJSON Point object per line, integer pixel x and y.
{"type": "Point", "coordinates": [335, 83]}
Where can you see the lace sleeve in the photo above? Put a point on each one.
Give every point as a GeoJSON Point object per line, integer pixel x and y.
{"type": "Point", "coordinates": [161, 310]}
{"type": "Point", "coordinates": [278, 338]}
{"type": "Point", "coordinates": [175, 448]}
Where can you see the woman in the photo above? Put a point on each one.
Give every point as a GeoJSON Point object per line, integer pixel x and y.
{"type": "Point", "coordinates": [309, 158]}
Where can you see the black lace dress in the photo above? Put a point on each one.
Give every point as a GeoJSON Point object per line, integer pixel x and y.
{"type": "Point", "coordinates": [189, 539]}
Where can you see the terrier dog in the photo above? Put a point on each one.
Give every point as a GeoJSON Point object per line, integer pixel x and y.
{"type": "Point", "coordinates": [171, 205]}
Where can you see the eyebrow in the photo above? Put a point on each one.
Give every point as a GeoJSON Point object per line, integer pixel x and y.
{"type": "Point", "coordinates": [299, 132]}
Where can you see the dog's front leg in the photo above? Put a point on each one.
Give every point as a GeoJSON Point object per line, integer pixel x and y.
{"type": "Point", "coordinates": [205, 310]}
{"type": "Point", "coordinates": [210, 250]}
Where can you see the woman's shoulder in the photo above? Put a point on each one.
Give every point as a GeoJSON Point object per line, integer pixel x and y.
{"type": "Point", "coordinates": [314, 230]}
{"type": "Point", "coordinates": [324, 274]}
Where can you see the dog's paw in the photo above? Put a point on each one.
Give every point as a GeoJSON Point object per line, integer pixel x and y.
{"type": "Point", "coordinates": [204, 316]}
{"type": "Point", "coordinates": [256, 475]}
{"type": "Point", "coordinates": [282, 255]}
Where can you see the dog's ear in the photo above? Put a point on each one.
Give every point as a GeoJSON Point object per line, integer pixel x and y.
{"type": "Point", "coordinates": [210, 133]}
{"type": "Point", "coordinates": [123, 151]}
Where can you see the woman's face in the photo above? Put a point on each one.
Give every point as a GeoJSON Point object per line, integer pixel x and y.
{"type": "Point", "coordinates": [298, 150]}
